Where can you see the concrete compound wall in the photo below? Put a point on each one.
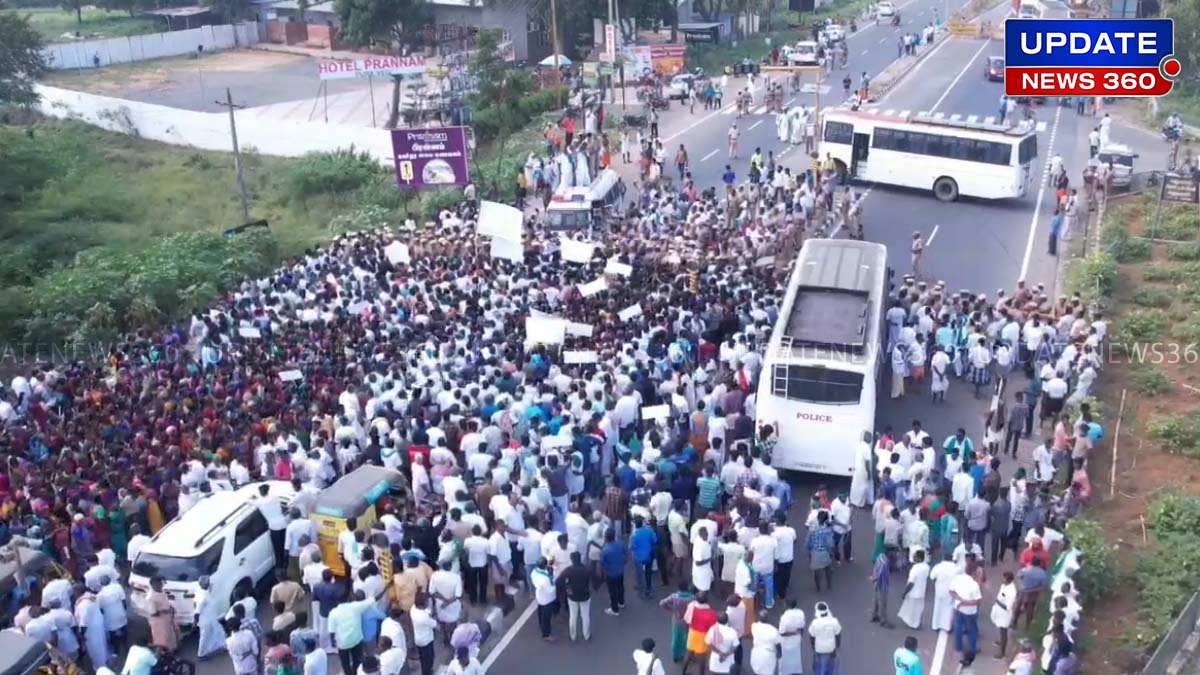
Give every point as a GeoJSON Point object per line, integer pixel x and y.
{"type": "Point", "coordinates": [210, 131]}
{"type": "Point", "coordinates": [83, 54]}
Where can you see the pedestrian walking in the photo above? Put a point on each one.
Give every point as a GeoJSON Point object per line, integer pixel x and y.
{"type": "Point", "coordinates": [820, 546]}
{"type": "Point", "coordinates": [676, 604]}
{"type": "Point", "coordinates": [613, 560]}
{"type": "Point", "coordinates": [723, 644]}
{"type": "Point", "coordinates": [825, 637]}
{"type": "Point", "coordinates": [645, 661]}
{"type": "Point", "coordinates": [545, 594]}
{"type": "Point", "coordinates": [880, 582]}
{"type": "Point", "coordinates": [965, 591]}
{"type": "Point", "coordinates": [699, 618]}
{"type": "Point", "coordinates": [764, 655]}
{"type": "Point", "coordinates": [906, 660]}
{"type": "Point", "coordinates": [1002, 612]}
{"type": "Point", "coordinates": [912, 607]}
{"type": "Point", "coordinates": [576, 584]}
{"type": "Point", "coordinates": [917, 249]}
{"type": "Point", "coordinates": [791, 640]}
{"type": "Point", "coordinates": [942, 575]}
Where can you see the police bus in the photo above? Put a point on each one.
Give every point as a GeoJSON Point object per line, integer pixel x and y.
{"type": "Point", "coordinates": [817, 387]}
{"type": "Point", "coordinates": [932, 152]}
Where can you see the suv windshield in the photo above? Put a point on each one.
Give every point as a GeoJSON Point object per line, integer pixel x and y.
{"type": "Point", "coordinates": [173, 568]}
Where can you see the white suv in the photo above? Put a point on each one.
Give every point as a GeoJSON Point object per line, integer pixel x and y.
{"type": "Point", "coordinates": [224, 537]}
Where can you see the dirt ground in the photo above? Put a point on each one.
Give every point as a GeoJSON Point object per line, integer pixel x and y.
{"type": "Point", "coordinates": [1143, 471]}
{"type": "Point", "coordinates": [255, 78]}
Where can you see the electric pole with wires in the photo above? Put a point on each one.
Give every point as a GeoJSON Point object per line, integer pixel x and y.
{"type": "Point", "coordinates": [237, 154]}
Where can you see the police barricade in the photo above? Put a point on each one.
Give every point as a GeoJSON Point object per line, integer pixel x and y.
{"type": "Point", "coordinates": [963, 29]}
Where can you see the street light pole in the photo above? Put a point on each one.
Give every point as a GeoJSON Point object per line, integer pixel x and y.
{"type": "Point", "coordinates": [237, 155]}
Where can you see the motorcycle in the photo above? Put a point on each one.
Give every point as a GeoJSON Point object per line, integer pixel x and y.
{"type": "Point", "coordinates": [1171, 134]}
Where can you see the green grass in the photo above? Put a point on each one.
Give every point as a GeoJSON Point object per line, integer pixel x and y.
{"type": "Point", "coordinates": [97, 23]}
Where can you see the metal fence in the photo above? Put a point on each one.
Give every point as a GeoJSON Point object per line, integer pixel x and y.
{"type": "Point", "coordinates": [1175, 650]}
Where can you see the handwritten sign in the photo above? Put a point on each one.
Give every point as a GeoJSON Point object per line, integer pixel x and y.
{"type": "Point", "coordinates": [249, 332]}
{"type": "Point", "coordinates": [576, 251]}
{"type": "Point", "coordinates": [656, 412]}
{"type": "Point", "coordinates": [618, 268]}
{"type": "Point", "coordinates": [579, 329]}
{"type": "Point", "coordinates": [506, 249]}
{"type": "Point", "coordinates": [499, 220]}
{"type": "Point", "coordinates": [544, 330]}
{"type": "Point", "coordinates": [630, 312]}
{"type": "Point", "coordinates": [593, 287]}
{"type": "Point", "coordinates": [580, 356]}
{"type": "Point", "coordinates": [291, 375]}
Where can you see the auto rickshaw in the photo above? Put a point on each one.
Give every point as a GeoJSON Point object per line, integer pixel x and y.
{"type": "Point", "coordinates": [355, 496]}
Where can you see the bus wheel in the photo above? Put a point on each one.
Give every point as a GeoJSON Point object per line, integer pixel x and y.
{"type": "Point", "coordinates": [843, 172]}
{"type": "Point", "coordinates": [945, 189]}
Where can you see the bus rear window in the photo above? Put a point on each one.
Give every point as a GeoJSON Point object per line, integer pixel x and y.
{"type": "Point", "coordinates": [1027, 150]}
{"type": "Point", "coordinates": [839, 132]}
{"type": "Point", "coordinates": [815, 384]}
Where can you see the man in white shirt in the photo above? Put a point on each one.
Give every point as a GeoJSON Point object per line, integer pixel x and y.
{"type": "Point", "coordinates": [785, 552]}
{"type": "Point", "coordinates": [764, 548]}
{"type": "Point", "coordinates": [445, 593]}
{"type": "Point", "coordinates": [646, 662]}
{"type": "Point", "coordinates": [423, 627]}
{"type": "Point", "coordinates": [825, 633]}
{"type": "Point", "coordinates": [297, 529]}
{"type": "Point", "coordinates": [965, 592]}
{"type": "Point", "coordinates": [392, 657]}
{"type": "Point", "coordinates": [243, 648]}
{"type": "Point", "coordinates": [545, 594]}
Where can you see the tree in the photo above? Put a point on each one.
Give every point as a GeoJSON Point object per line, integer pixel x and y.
{"type": "Point", "coordinates": [21, 60]}
{"type": "Point", "coordinates": [130, 6]}
{"type": "Point", "coordinates": [365, 22]}
{"type": "Point", "coordinates": [73, 6]}
{"type": "Point", "coordinates": [229, 10]}
{"type": "Point", "coordinates": [499, 91]}
{"type": "Point", "coordinates": [1186, 15]}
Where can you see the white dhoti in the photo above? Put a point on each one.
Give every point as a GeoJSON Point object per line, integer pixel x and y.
{"type": "Point", "coordinates": [911, 611]}
{"type": "Point", "coordinates": [943, 612]}
{"type": "Point", "coordinates": [860, 488]}
{"type": "Point", "coordinates": [321, 625]}
{"type": "Point", "coordinates": [702, 577]}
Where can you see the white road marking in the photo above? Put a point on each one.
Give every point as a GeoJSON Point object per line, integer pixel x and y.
{"type": "Point", "coordinates": [866, 51]}
{"type": "Point", "coordinates": [760, 110]}
{"type": "Point", "coordinates": [933, 234]}
{"type": "Point", "coordinates": [973, 118]}
{"type": "Point", "coordinates": [927, 59]}
{"type": "Point", "coordinates": [939, 653]}
{"type": "Point", "coordinates": [955, 117]}
{"type": "Point", "coordinates": [990, 119]}
{"type": "Point", "coordinates": [882, 40]}
{"type": "Point", "coordinates": [708, 156]}
{"type": "Point", "coordinates": [752, 126]}
{"type": "Point", "coordinates": [726, 111]}
{"type": "Point", "coordinates": [890, 111]}
{"type": "Point", "coordinates": [790, 101]}
{"type": "Point", "coordinates": [1037, 206]}
{"type": "Point", "coordinates": [905, 113]}
{"type": "Point", "coordinates": [985, 45]}
{"type": "Point", "coordinates": [509, 636]}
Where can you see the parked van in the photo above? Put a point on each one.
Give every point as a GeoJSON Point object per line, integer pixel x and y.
{"type": "Point", "coordinates": [579, 208]}
{"type": "Point", "coordinates": [224, 537]}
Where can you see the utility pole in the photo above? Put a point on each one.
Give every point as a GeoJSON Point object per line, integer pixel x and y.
{"type": "Point", "coordinates": [237, 154]}
{"type": "Point", "coordinates": [555, 46]}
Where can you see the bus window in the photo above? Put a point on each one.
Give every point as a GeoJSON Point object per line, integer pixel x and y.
{"type": "Point", "coordinates": [817, 384]}
{"type": "Point", "coordinates": [1027, 150]}
{"type": "Point", "coordinates": [839, 132]}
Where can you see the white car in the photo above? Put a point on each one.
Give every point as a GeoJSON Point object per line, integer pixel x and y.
{"type": "Point", "coordinates": [804, 53]}
{"type": "Point", "coordinates": [680, 86]}
{"type": "Point", "coordinates": [885, 8]}
{"type": "Point", "coordinates": [833, 33]}
{"type": "Point", "coordinates": [224, 537]}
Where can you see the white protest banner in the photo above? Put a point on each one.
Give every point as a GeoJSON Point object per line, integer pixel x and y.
{"type": "Point", "coordinates": [359, 307]}
{"type": "Point", "coordinates": [545, 330]}
{"type": "Point", "coordinates": [290, 375]}
{"type": "Point", "coordinates": [249, 332]}
{"type": "Point", "coordinates": [581, 356]}
{"type": "Point", "coordinates": [630, 312]}
{"type": "Point", "coordinates": [593, 287]}
{"type": "Point", "coordinates": [579, 329]}
{"type": "Point", "coordinates": [765, 261]}
{"type": "Point", "coordinates": [499, 220]}
{"type": "Point", "coordinates": [397, 253]}
{"type": "Point", "coordinates": [576, 251]}
{"type": "Point", "coordinates": [656, 412]}
{"type": "Point", "coordinates": [508, 250]}
{"type": "Point", "coordinates": [616, 267]}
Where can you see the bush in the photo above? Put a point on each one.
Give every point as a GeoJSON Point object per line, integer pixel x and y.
{"type": "Point", "coordinates": [1173, 272]}
{"type": "Point", "coordinates": [1098, 569]}
{"type": "Point", "coordinates": [1184, 251]}
{"type": "Point", "coordinates": [1168, 574]}
{"type": "Point", "coordinates": [1152, 296]}
{"type": "Point", "coordinates": [1179, 433]}
{"type": "Point", "coordinates": [1175, 513]}
{"type": "Point", "coordinates": [1150, 380]}
{"type": "Point", "coordinates": [1141, 325]}
{"type": "Point", "coordinates": [1093, 277]}
{"type": "Point", "coordinates": [1123, 247]}
{"type": "Point", "coordinates": [330, 173]}
{"type": "Point", "coordinates": [1179, 224]}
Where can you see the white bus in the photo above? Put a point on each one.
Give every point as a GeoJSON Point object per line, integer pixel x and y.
{"type": "Point", "coordinates": [817, 387]}
{"type": "Point", "coordinates": [951, 158]}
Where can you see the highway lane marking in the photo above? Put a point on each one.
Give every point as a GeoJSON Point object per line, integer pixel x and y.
{"type": "Point", "coordinates": [985, 45]}
{"type": "Point", "coordinates": [1037, 206]}
{"type": "Point", "coordinates": [939, 653]}
{"type": "Point", "coordinates": [753, 126]}
{"type": "Point", "coordinates": [929, 241]}
{"type": "Point", "coordinates": [708, 156]}
{"type": "Point", "coordinates": [927, 59]}
{"type": "Point", "coordinates": [509, 636]}
{"type": "Point", "coordinates": [865, 52]}
{"type": "Point", "coordinates": [882, 40]}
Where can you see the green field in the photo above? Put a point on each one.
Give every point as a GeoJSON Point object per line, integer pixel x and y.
{"type": "Point", "coordinates": [95, 224]}
{"type": "Point", "coordinates": [54, 24]}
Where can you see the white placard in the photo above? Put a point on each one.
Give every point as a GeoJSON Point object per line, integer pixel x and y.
{"type": "Point", "coordinates": [249, 332]}
{"type": "Point", "coordinates": [576, 251]}
{"type": "Point", "coordinates": [556, 441]}
{"type": "Point", "coordinates": [359, 307]}
{"type": "Point", "coordinates": [545, 330]}
{"type": "Point", "coordinates": [656, 412]}
{"type": "Point", "coordinates": [614, 266]}
{"type": "Point", "coordinates": [499, 220]}
{"type": "Point", "coordinates": [581, 356]}
{"type": "Point", "coordinates": [508, 250]}
{"type": "Point", "coordinates": [593, 287]}
{"type": "Point", "coordinates": [630, 312]}
{"type": "Point", "coordinates": [579, 329]}
{"type": "Point", "coordinates": [290, 375]}
{"type": "Point", "coordinates": [765, 261]}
